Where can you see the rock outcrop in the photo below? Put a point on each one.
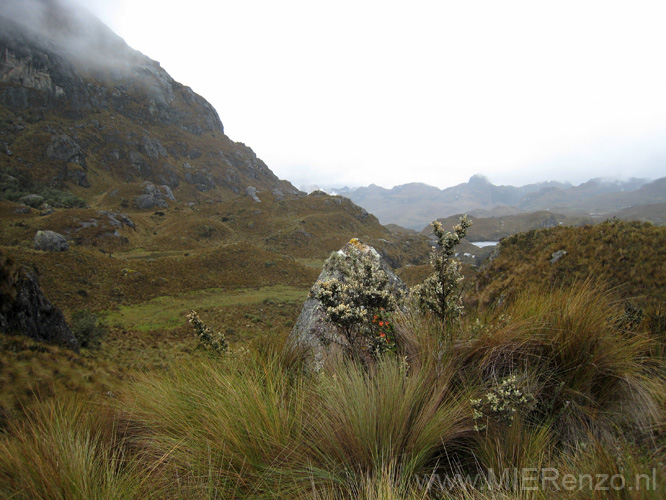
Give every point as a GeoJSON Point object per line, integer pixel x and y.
{"type": "Point", "coordinates": [320, 339]}
{"type": "Point", "coordinates": [24, 310]}
{"type": "Point", "coordinates": [50, 241]}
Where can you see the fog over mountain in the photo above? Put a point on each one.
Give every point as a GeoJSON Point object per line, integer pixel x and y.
{"type": "Point", "coordinates": [391, 93]}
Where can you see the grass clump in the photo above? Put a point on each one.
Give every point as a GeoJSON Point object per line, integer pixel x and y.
{"type": "Point", "coordinates": [65, 449]}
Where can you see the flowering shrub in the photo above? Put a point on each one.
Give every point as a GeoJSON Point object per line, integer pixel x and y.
{"type": "Point", "coordinates": [213, 342]}
{"type": "Point", "coordinates": [358, 301]}
{"type": "Point", "coordinates": [440, 293]}
{"type": "Point", "coordinates": [501, 404]}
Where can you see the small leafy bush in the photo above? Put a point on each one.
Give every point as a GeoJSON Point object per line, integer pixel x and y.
{"type": "Point", "coordinates": [501, 403]}
{"type": "Point", "coordinates": [87, 328]}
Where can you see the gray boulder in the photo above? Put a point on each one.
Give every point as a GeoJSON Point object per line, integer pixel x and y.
{"type": "Point", "coordinates": [64, 148]}
{"type": "Point", "coordinates": [32, 200]}
{"type": "Point", "coordinates": [168, 193]}
{"type": "Point", "coordinates": [50, 241]}
{"type": "Point", "coordinates": [319, 339]}
{"type": "Point", "coordinates": [152, 197]}
{"type": "Point", "coordinates": [251, 191]}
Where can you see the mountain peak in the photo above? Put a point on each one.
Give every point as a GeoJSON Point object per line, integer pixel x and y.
{"type": "Point", "coordinates": [478, 179]}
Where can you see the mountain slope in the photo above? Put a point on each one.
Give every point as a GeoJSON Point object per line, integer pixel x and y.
{"type": "Point", "coordinates": [82, 111]}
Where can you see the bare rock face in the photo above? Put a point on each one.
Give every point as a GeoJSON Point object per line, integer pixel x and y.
{"type": "Point", "coordinates": [24, 310]}
{"type": "Point", "coordinates": [312, 332]}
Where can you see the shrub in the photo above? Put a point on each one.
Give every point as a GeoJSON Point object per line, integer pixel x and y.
{"type": "Point", "coordinates": [213, 342]}
{"type": "Point", "coordinates": [584, 369]}
{"type": "Point", "coordinates": [440, 293]}
{"type": "Point", "coordinates": [358, 301]}
{"type": "Point", "coordinates": [501, 403]}
{"type": "Point", "coordinates": [87, 328]}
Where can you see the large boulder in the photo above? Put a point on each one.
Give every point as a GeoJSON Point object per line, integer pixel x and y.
{"type": "Point", "coordinates": [153, 197]}
{"type": "Point", "coordinates": [320, 339]}
{"type": "Point", "coordinates": [24, 310]}
{"type": "Point", "coordinates": [50, 241]}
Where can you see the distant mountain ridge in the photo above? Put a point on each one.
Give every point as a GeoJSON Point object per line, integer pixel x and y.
{"type": "Point", "coordinates": [415, 205]}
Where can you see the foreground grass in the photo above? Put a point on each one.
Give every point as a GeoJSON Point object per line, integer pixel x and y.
{"type": "Point", "coordinates": [258, 425]}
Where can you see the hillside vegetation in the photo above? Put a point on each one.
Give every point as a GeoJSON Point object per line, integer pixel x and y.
{"type": "Point", "coordinates": [627, 256]}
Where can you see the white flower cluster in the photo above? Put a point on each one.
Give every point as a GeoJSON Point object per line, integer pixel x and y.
{"type": "Point", "coordinates": [501, 404]}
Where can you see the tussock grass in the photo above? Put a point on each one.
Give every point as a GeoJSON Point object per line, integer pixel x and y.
{"type": "Point", "coordinates": [392, 418]}
{"type": "Point", "coordinates": [68, 449]}
{"type": "Point", "coordinates": [586, 372]}
{"type": "Point", "coordinates": [232, 426]}
{"type": "Point", "coordinates": [256, 424]}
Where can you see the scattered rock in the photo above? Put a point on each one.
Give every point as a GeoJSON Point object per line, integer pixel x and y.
{"type": "Point", "coordinates": [251, 191]}
{"type": "Point", "coordinates": [201, 180]}
{"type": "Point", "coordinates": [168, 176]}
{"type": "Point", "coordinates": [64, 148]}
{"type": "Point", "coordinates": [50, 241]}
{"type": "Point", "coordinates": [148, 202]}
{"type": "Point", "coordinates": [46, 209]}
{"type": "Point", "coordinates": [152, 147]}
{"type": "Point", "coordinates": [279, 195]}
{"type": "Point", "coordinates": [361, 215]}
{"type": "Point", "coordinates": [118, 220]}
{"type": "Point", "coordinates": [152, 197]}
{"type": "Point", "coordinates": [24, 309]}
{"type": "Point", "coordinates": [168, 192]}
{"type": "Point", "coordinates": [32, 200]}
{"type": "Point", "coordinates": [555, 256]}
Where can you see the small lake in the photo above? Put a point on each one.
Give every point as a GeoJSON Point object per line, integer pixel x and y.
{"type": "Point", "coordinates": [482, 244]}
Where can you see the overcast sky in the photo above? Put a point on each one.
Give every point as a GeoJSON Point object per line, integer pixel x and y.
{"type": "Point", "coordinates": [356, 92]}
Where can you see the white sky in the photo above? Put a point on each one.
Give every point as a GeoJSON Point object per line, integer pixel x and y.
{"type": "Point", "coordinates": [353, 92]}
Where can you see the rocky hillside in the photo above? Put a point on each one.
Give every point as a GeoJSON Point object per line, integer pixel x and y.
{"type": "Point", "coordinates": [132, 178]}
{"type": "Point", "coordinates": [81, 111]}
{"type": "Point", "coordinates": [415, 205]}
